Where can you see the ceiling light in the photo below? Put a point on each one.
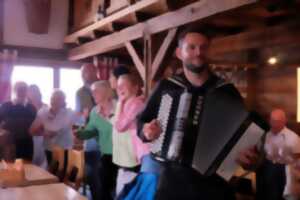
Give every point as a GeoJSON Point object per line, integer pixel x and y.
{"type": "Point", "coordinates": [272, 60]}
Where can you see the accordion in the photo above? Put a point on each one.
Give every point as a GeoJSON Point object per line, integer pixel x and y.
{"type": "Point", "coordinates": [216, 120]}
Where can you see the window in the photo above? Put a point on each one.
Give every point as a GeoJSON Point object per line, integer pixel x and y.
{"type": "Point", "coordinates": [70, 81]}
{"type": "Point", "coordinates": [40, 75]}
{"type": "Point", "coordinates": [298, 94]}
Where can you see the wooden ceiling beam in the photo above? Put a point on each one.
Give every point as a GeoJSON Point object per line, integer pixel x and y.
{"type": "Point", "coordinates": [187, 14]}
{"type": "Point", "coordinates": [136, 60]}
{"type": "Point", "coordinates": [38, 53]}
{"type": "Point", "coordinates": [160, 55]}
{"type": "Point", "coordinates": [278, 35]}
{"type": "Point", "coordinates": [122, 13]}
{"type": "Point", "coordinates": [48, 62]}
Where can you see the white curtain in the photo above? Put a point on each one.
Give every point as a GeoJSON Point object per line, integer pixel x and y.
{"type": "Point", "coordinates": [7, 60]}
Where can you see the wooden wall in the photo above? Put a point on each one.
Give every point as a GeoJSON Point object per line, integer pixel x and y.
{"type": "Point", "coordinates": [276, 86]}
{"type": "Point", "coordinates": [84, 12]}
{"type": "Point", "coordinates": [266, 86]}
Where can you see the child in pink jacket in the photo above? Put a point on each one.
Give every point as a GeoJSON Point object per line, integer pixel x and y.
{"type": "Point", "coordinates": [131, 104]}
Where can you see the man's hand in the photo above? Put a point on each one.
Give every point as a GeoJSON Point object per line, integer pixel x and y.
{"type": "Point", "coordinates": [248, 157]}
{"type": "Point", "coordinates": [50, 134]}
{"type": "Point", "coordinates": [152, 130]}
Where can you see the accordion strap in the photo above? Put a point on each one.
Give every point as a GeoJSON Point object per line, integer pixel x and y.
{"type": "Point", "coordinates": [177, 82]}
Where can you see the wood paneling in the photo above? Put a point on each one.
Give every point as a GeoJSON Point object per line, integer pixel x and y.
{"type": "Point", "coordinates": [84, 12]}
{"type": "Point", "coordinates": [261, 38]}
{"type": "Point", "coordinates": [116, 5]}
{"type": "Point", "coordinates": [277, 87]}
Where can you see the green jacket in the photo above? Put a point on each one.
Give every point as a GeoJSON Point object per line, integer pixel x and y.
{"type": "Point", "coordinates": [100, 128]}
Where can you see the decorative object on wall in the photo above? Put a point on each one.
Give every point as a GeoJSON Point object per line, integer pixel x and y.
{"type": "Point", "coordinates": [104, 65]}
{"type": "Point", "coordinates": [37, 15]}
{"type": "Point", "coordinates": [7, 60]}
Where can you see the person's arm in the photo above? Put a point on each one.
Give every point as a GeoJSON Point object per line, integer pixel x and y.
{"type": "Point", "coordinates": [128, 116]}
{"type": "Point", "coordinates": [252, 157]}
{"type": "Point", "coordinates": [36, 127]}
{"type": "Point", "coordinates": [89, 131]}
{"type": "Point", "coordinates": [2, 114]}
{"type": "Point", "coordinates": [78, 102]}
{"type": "Point", "coordinates": [149, 113]}
{"type": "Point", "coordinates": [86, 134]}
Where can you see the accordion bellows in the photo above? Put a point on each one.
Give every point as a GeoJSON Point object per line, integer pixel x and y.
{"type": "Point", "coordinates": [216, 120]}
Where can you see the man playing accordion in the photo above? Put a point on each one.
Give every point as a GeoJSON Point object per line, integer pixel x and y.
{"type": "Point", "coordinates": [172, 171]}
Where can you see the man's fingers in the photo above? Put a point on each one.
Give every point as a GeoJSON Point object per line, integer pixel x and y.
{"type": "Point", "coordinates": [243, 161]}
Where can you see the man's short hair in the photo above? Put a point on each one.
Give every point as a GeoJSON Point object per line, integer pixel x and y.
{"type": "Point", "coordinates": [58, 92]}
{"type": "Point", "coordinates": [134, 78]}
{"type": "Point", "coordinates": [194, 29]}
{"type": "Point", "coordinates": [20, 84]}
{"type": "Point", "coordinates": [120, 70]}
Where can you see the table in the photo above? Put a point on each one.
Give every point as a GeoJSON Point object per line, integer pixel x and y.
{"type": "Point", "coordinates": [35, 175]}
{"type": "Point", "coordinates": [56, 191]}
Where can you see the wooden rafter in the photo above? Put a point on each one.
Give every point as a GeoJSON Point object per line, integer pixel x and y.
{"type": "Point", "coordinates": [187, 14]}
{"type": "Point", "coordinates": [122, 13]}
{"type": "Point", "coordinates": [1, 21]}
{"type": "Point", "coordinates": [136, 59]}
{"type": "Point", "coordinates": [147, 62]}
{"type": "Point", "coordinates": [48, 62]}
{"type": "Point", "coordinates": [278, 35]}
{"type": "Point", "coordinates": [38, 53]}
{"type": "Point", "coordinates": [162, 51]}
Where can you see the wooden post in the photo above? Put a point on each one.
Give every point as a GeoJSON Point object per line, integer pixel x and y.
{"type": "Point", "coordinates": [147, 62]}
{"type": "Point", "coordinates": [1, 21]}
{"type": "Point", "coordinates": [253, 55]}
{"type": "Point", "coordinates": [162, 51]}
{"type": "Point", "coordinates": [56, 74]}
{"type": "Point", "coordinates": [147, 68]}
{"type": "Point", "coordinates": [136, 59]}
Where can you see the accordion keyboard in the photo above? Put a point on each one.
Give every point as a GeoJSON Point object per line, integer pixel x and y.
{"type": "Point", "coordinates": [163, 117]}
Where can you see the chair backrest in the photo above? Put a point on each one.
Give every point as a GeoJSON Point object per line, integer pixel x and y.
{"type": "Point", "coordinates": [75, 168]}
{"type": "Point", "coordinates": [57, 164]}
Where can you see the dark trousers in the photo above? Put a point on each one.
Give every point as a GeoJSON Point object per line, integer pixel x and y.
{"type": "Point", "coordinates": [108, 174]}
{"type": "Point", "coordinates": [92, 173]}
{"type": "Point", "coordinates": [24, 148]}
{"type": "Point", "coordinates": [270, 181]}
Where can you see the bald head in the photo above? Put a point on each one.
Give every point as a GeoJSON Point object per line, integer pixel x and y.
{"type": "Point", "coordinates": [58, 100]}
{"type": "Point", "coordinates": [88, 73]}
{"type": "Point", "coordinates": [20, 91]}
{"type": "Point", "coordinates": [277, 120]}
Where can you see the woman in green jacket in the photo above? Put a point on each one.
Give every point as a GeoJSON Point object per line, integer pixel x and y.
{"type": "Point", "coordinates": [100, 126]}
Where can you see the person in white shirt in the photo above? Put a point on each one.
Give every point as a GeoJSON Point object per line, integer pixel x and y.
{"type": "Point", "coordinates": [55, 123]}
{"type": "Point", "coordinates": [283, 146]}
{"type": "Point", "coordinates": [35, 98]}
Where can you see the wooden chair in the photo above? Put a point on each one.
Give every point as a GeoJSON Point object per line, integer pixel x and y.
{"type": "Point", "coordinates": [244, 183]}
{"type": "Point", "coordinates": [57, 165]}
{"type": "Point", "coordinates": [75, 169]}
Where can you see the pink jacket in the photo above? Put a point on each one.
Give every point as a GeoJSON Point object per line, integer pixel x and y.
{"type": "Point", "coordinates": [126, 121]}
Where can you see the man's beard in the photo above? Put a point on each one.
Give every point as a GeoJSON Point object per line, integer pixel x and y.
{"type": "Point", "coordinates": [197, 69]}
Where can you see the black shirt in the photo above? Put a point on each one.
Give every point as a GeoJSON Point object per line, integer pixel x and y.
{"type": "Point", "coordinates": [17, 119]}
